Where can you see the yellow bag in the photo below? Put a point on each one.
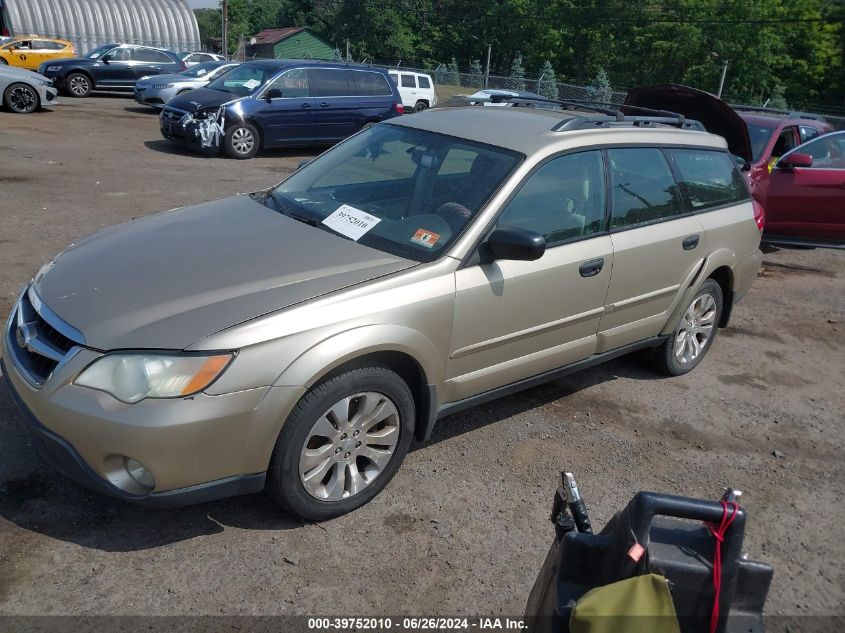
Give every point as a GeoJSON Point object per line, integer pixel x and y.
{"type": "Point", "coordinates": [641, 604]}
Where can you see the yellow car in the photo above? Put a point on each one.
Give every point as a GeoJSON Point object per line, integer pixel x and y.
{"type": "Point", "coordinates": [30, 51]}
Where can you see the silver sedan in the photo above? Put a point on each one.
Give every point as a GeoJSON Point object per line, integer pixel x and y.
{"type": "Point", "coordinates": [23, 91]}
{"type": "Point", "coordinates": [157, 90]}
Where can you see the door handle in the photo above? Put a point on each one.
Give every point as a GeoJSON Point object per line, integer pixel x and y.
{"type": "Point", "coordinates": [591, 267]}
{"type": "Point", "coordinates": [306, 105]}
{"type": "Point", "coordinates": [324, 105]}
{"type": "Point", "coordinates": [691, 242]}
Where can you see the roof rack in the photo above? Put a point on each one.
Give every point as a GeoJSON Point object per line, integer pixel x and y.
{"type": "Point", "coordinates": [790, 113]}
{"type": "Point", "coordinates": [613, 116]}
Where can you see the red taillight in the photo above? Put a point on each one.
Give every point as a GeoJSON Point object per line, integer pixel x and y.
{"type": "Point", "coordinates": [399, 108]}
{"type": "Point", "coordinates": [759, 214]}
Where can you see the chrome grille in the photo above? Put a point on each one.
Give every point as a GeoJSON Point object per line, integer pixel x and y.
{"type": "Point", "coordinates": [38, 340]}
{"type": "Point", "coordinates": [171, 115]}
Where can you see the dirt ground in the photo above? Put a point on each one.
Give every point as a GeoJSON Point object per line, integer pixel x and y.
{"type": "Point", "coordinates": [463, 528]}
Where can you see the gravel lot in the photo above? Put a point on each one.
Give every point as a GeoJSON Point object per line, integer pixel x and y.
{"type": "Point", "coordinates": [463, 527]}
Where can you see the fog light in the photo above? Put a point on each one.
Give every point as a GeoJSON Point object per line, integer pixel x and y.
{"type": "Point", "coordinates": [139, 473]}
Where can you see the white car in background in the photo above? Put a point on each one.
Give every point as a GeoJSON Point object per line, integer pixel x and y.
{"type": "Point", "coordinates": [416, 89]}
{"type": "Point", "coordinates": [198, 57]}
{"type": "Point", "coordinates": [23, 91]}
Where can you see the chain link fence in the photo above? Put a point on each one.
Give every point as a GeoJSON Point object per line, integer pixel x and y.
{"type": "Point", "coordinates": [449, 83]}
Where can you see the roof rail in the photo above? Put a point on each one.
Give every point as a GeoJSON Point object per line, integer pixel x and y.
{"type": "Point", "coordinates": [580, 123]}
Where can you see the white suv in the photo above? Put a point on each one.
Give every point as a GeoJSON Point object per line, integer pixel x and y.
{"type": "Point", "coordinates": [416, 89]}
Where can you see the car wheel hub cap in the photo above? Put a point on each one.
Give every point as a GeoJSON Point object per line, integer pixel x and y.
{"type": "Point", "coordinates": [242, 140]}
{"type": "Point", "coordinates": [22, 99]}
{"type": "Point", "coordinates": [696, 329]}
{"type": "Point", "coordinates": [78, 85]}
{"type": "Point", "coordinates": [349, 446]}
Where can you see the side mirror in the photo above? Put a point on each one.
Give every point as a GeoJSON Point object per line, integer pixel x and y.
{"type": "Point", "coordinates": [516, 244]}
{"type": "Point", "coordinates": [303, 163]}
{"type": "Point", "coordinates": [106, 59]}
{"type": "Point", "coordinates": [273, 93]}
{"type": "Point", "coordinates": [795, 160]}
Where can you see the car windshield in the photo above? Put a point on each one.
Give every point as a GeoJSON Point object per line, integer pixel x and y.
{"type": "Point", "coordinates": [243, 80]}
{"type": "Point", "coordinates": [100, 50]}
{"type": "Point", "coordinates": [201, 70]}
{"type": "Point", "coordinates": [404, 191]}
{"type": "Point", "coordinates": [759, 135]}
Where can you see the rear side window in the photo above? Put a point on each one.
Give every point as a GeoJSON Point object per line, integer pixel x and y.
{"type": "Point", "coordinates": [642, 187]}
{"type": "Point", "coordinates": [707, 178]}
{"type": "Point", "coordinates": [408, 81]}
{"type": "Point", "coordinates": [151, 55]}
{"type": "Point", "coordinates": [370, 84]}
{"type": "Point", "coordinates": [424, 82]}
{"type": "Point", "coordinates": [326, 82]}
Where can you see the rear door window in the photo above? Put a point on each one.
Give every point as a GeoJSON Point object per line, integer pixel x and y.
{"type": "Point", "coordinates": [370, 84]}
{"type": "Point", "coordinates": [642, 188]}
{"type": "Point", "coordinates": [708, 178]}
{"type": "Point", "coordinates": [326, 82]}
{"type": "Point", "coordinates": [408, 81]}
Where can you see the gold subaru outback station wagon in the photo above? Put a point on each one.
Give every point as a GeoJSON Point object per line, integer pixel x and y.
{"type": "Point", "coordinates": [297, 339]}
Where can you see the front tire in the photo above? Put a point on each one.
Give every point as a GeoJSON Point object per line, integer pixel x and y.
{"type": "Point", "coordinates": [21, 98]}
{"type": "Point", "coordinates": [241, 141]}
{"type": "Point", "coordinates": [342, 443]}
{"type": "Point", "coordinates": [694, 334]}
{"type": "Point", "coordinates": [78, 85]}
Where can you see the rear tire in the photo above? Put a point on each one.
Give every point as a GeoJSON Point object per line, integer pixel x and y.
{"type": "Point", "coordinates": [78, 85]}
{"type": "Point", "coordinates": [342, 443]}
{"type": "Point", "coordinates": [241, 141]}
{"type": "Point", "coordinates": [419, 106]}
{"type": "Point", "coordinates": [21, 98]}
{"type": "Point", "coordinates": [694, 333]}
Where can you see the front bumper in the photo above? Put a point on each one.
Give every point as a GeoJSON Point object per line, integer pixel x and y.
{"type": "Point", "coordinates": [153, 97]}
{"type": "Point", "coordinates": [197, 448]}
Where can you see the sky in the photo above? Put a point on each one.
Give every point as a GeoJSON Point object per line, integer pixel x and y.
{"type": "Point", "coordinates": [200, 4]}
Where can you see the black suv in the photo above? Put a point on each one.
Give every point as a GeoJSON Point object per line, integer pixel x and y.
{"type": "Point", "coordinates": [110, 67]}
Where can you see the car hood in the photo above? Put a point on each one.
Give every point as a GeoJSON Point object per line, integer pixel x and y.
{"type": "Point", "coordinates": [169, 280]}
{"type": "Point", "coordinates": [201, 99]}
{"type": "Point", "coordinates": [71, 61]}
{"type": "Point", "coordinates": [12, 71]}
{"type": "Point", "coordinates": [713, 113]}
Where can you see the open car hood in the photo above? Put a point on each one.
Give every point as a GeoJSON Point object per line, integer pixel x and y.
{"type": "Point", "coordinates": [713, 113]}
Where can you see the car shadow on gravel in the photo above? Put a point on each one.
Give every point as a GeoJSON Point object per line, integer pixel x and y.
{"type": "Point", "coordinates": [45, 502]}
{"type": "Point", "coordinates": [631, 366]}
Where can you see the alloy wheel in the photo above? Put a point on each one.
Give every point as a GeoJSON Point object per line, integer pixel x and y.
{"type": "Point", "coordinates": [79, 86]}
{"type": "Point", "coordinates": [696, 329]}
{"type": "Point", "coordinates": [349, 446]}
{"type": "Point", "coordinates": [243, 140]}
{"type": "Point", "coordinates": [23, 99]}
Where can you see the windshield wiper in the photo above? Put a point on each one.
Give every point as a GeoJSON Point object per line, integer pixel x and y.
{"type": "Point", "coordinates": [284, 209]}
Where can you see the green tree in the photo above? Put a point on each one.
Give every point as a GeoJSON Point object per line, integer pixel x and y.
{"type": "Point", "coordinates": [453, 77]}
{"type": "Point", "coordinates": [600, 89]}
{"type": "Point", "coordinates": [476, 74]}
{"type": "Point", "coordinates": [778, 98]}
{"type": "Point", "coordinates": [517, 74]}
{"type": "Point", "coordinates": [210, 25]}
{"type": "Point", "coordinates": [547, 86]}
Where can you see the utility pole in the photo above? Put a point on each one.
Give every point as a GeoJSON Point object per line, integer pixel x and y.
{"type": "Point", "coordinates": [487, 70]}
{"type": "Point", "coordinates": [347, 50]}
{"type": "Point", "coordinates": [225, 46]}
{"type": "Point", "coordinates": [722, 79]}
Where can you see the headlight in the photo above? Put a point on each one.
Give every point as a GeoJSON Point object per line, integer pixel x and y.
{"type": "Point", "coordinates": [53, 68]}
{"type": "Point", "coordinates": [133, 377]}
{"type": "Point", "coordinates": [160, 86]}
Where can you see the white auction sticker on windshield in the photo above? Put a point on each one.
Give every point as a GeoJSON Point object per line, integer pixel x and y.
{"type": "Point", "coordinates": [351, 222]}
{"type": "Point", "coordinates": [250, 84]}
